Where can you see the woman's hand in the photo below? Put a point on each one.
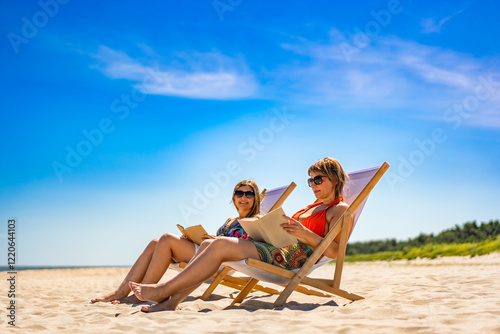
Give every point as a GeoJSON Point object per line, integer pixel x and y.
{"type": "Point", "coordinates": [302, 233]}
{"type": "Point", "coordinates": [207, 236]}
{"type": "Point", "coordinates": [296, 229]}
{"type": "Point", "coordinates": [184, 237]}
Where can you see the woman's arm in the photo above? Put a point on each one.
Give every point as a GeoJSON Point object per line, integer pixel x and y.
{"type": "Point", "coordinates": [302, 233]}
{"type": "Point", "coordinates": [335, 213]}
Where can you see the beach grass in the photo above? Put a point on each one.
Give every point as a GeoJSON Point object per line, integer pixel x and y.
{"type": "Point", "coordinates": [432, 251]}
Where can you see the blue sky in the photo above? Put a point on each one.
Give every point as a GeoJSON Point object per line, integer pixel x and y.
{"type": "Point", "coordinates": [120, 121]}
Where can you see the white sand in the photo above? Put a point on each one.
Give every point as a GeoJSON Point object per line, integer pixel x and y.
{"type": "Point", "coordinates": [447, 295]}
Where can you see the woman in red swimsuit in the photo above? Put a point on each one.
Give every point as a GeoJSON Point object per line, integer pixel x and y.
{"type": "Point", "coordinates": [309, 226]}
{"type": "Point", "coordinates": [327, 182]}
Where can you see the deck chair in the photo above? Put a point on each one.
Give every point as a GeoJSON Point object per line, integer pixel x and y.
{"type": "Point", "coordinates": [274, 198]}
{"type": "Point", "coordinates": [356, 193]}
{"type": "Point", "coordinates": [270, 200]}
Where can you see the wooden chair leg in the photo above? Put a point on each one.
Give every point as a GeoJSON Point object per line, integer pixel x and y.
{"type": "Point", "coordinates": [339, 265]}
{"type": "Point", "coordinates": [246, 290]}
{"type": "Point", "coordinates": [214, 284]}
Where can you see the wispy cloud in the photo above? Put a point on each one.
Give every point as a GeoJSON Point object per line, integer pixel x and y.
{"type": "Point", "coordinates": [392, 75]}
{"type": "Point", "coordinates": [189, 75]}
{"type": "Point", "coordinates": [433, 25]}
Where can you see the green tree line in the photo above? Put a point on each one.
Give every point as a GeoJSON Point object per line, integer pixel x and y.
{"type": "Point", "coordinates": [469, 232]}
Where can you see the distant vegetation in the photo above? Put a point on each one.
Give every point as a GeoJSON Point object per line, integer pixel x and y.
{"type": "Point", "coordinates": [468, 239]}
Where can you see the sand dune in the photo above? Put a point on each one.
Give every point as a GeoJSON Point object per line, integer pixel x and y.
{"type": "Point", "coordinates": [446, 295]}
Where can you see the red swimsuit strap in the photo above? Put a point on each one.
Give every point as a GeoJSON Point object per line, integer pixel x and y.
{"type": "Point", "coordinates": [338, 200]}
{"type": "Point", "coordinates": [310, 206]}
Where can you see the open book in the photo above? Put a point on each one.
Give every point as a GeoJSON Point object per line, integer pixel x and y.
{"type": "Point", "coordinates": [267, 229]}
{"type": "Point", "coordinates": [193, 233]}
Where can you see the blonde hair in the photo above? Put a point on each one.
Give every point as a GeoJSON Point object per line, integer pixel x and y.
{"type": "Point", "coordinates": [255, 210]}
{"type": "Point", "coordinates": [332, 169]}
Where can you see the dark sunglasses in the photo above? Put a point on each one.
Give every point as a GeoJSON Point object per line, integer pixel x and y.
{"type": "Point", "coordinates": [317, 180]}
{"type": "Point", "coordinates": [240, 193]}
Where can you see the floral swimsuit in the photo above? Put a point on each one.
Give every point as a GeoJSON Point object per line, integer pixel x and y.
{"type": "Point", "coordinates": [232, 230]}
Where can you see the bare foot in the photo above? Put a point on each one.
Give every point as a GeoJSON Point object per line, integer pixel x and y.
{"type": "Point", "coordinates": [165, 306]}
{"type": "Point", "coordinates": [147, 292]}
{"type": "Point", "coordinates": [132, 299]}
{"type": "Point", "coordinates": [115, 295]}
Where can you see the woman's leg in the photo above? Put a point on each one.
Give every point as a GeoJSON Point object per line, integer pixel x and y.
{"type": "Point", "coordinates": [201, 268]}
{"type": "Point", "coordinates": [170, 247]}
{"type": "Point", "coordinates": [151, 265]}
{"type": "Point", "coordinates": [137, 271]}
{"type": "Point", "coordinates": [171, 303]}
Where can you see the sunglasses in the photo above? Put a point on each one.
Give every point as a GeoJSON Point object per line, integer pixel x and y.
{"type": "Point", "coordinates": [317, 180]}
{"type": "Point", "coordinates": [240, 193]}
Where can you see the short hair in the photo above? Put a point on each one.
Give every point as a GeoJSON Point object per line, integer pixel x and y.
{"type": "Point", "coordinates": [332, 169]}
{"type": "Point", "coordinates": [255, 210]}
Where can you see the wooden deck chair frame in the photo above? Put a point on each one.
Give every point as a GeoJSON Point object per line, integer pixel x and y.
{"type": "Point", "coordinates": [298, 279]}
{"type": "Point", "coordinates": [270, 200]}
{"type": "Point", "coordinates": [275, 197]}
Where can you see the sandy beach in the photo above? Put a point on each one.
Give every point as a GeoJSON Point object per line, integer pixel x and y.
{"type": "Point", "coordinates": [446, 295]}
